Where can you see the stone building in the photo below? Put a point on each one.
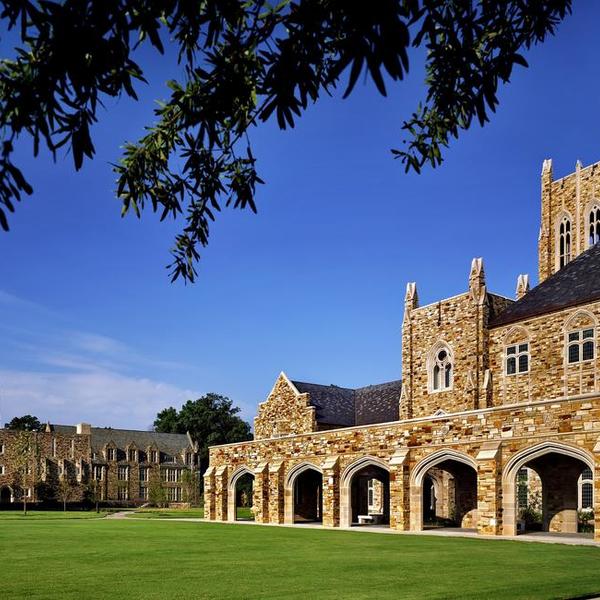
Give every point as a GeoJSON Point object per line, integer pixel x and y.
{"type": "Point", "coordinates": [499, 403]}
{"type": "Point", "coordinates": [119, 466]}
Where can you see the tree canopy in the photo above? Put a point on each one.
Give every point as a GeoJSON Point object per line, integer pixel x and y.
{"type": "Point", "coordinates": [244, 63]}
{"type": "Point", "coordinates": [24, 423]}
{"type": "Point", "coordinates": [210, 420]}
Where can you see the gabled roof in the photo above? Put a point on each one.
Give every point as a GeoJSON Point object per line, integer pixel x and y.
{"type": "Point", "coordinates": [576, 283]}
{"type": "Point", "coordinates": [346, 407]}
{"type": "Point", "coordinates": [169, 443]}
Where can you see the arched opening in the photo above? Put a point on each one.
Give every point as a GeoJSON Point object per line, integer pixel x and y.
{"type": "Point", "coordinates": [308, 497]}
{"type": "Point", "coordinates": [370, 495]}
{"type": "Point", "coordinates": [444, 492]}
{"type": "Point", "coordinates": [244, 487]}
{"type": "Point", "coordinates": [240, 495]}
{"type": "Point", "coordinates": [5, 495]}
{"type": "Point", "coordinates": [543, 491]}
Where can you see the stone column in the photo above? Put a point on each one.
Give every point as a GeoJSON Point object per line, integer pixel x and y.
{"type": "Point", "coordinates": [276, 492]}
{"type": "Point", "coordinates": [209, 494]}
{"type": "Point", "coordinates": [221, 493]}
{"type": "Point", "coordinates": [399, 490]}
{"type": "Point", "coordinates": [261, 493]}
{"type": "Point", "coordinates": [331, 492]}
{"type": "Point", "coordinates": [489, 489]}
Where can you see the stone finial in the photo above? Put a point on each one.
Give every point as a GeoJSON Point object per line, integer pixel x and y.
{"type": "Point", "coordinates": [522, 285]}
{"type": "Point", "coordinates": [48, 427]}
{"type": "Point", "coordinates": [547, 167]}
{"type": "Point", "coordinates": [411, 299]}
{"type": "Point", "coordinates": [578, 165]}
{"type": "Point", "coordinates": [477, 279]}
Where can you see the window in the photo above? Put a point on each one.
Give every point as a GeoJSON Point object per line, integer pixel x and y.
{"type": "Point", "coordinates": [2, 471]}
{"type": "Point", "coordinates": [441, 373]}
{"type": "Point", "coordinates": [110, 454]}
{"type": "Point", "coordinates": [517, 358]}
{"type": "Point", "coordinates": [594, 225]}
{"type": "Point", "coordinates": [371, 493]}
{"type": "Point", "coordinates": [131, 455]}
{"type": "Point", "coordinates": [587, 474]}
{"type": "Point", "coordinates": [587, 495]}
{"type": "Point", "coordinates": [189, 459]}
{"type": "Point", "coordinates": [72, 448]}
{"type": "Point", "coordinates": [171, 475]}
{"type": "Point", "coordinates": [98, 472]}
{"type": "Point", "coordinates": [174, 494]}
{"type": "Point", "coordinates": [123, 473]}
{"type": "Point", "coordinates": [143, 492]}
{"type": "Point", "coordinates": [54, 447]}
{"type": "Point", "coordinates": [564, 242]}
{"type": "Point", "coordinates": [144, 474]}
{"type": "Point", "coordinates": [122, 493]}
{"type": "Point", "coordinates": [153, 456]}
{"type": "Point", "coordinates": [1, 448]}
{"type": "Point", "coordinates": [580, 345]}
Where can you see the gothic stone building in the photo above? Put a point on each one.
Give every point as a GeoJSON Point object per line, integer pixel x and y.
{"type": "Point", "coordinates": [494, 392]}
{"type": "Point", "coordinates": [122, 464]}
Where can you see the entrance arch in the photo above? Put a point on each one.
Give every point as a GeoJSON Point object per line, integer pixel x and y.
{"type": "Point", "coordinates": [240, 495]}
{"type": "Point", "coordinates": [6, 495]}
{"type": "Point", "coordinates": [559, 467]}
{"type": "Point", "coordinates": [365, 490]}
{"type": "Point", "coordinates": [304, 494]}
{"type": "Point", "coordinates": [443, 491]}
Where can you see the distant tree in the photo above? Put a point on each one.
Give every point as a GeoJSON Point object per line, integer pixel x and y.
{"type": "Point", "coordinates": [244, 63]}
{"type": "Point", "coordinates": [24, 423]}
{"type": "Point", "coordinates": [210, 420]}
{"type": "Point", "coordinates": [65, 491]}
{"type": "Point", "coordinates": [94, 492]}
{"type": "Point", "coordinates": [191, 487]}
{"type": "Point", "coordinates": [157, 494]}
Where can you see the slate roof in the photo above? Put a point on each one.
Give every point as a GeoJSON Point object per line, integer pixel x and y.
{"type": "Point", "coordinates": [169, 443]}
{"type": "Point", "coordinates": [346, 407]}
{"type": "Point", "coordinates": [576, 283]}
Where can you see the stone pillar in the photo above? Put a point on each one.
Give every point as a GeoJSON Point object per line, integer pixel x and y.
{"type": "Point", "coordinates": [209, 494]}
{"type": "Point", "coordinates": [399, 490]}
{"type": "Point", "coordinates": [489, 489]}
{"type": "Point", "coordinates": [261, 493]}
{"type": "Point", "coordinates": [331, 492]}
{"type": "Point", "coordinates": [276, 492]}
{"type": "Point", "coordinates": [221, 493]}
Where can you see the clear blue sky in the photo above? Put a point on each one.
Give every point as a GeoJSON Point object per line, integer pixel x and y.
{"type": "Point", "coordinates": [92, 330]}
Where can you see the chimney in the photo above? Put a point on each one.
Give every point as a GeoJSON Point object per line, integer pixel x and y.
{"type": "Point", "coordinates": [84, 429]}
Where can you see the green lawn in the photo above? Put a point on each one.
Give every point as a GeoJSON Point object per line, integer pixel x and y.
{"type": "Point", "coordinates": [17, 515]}
{"type": "Point", "coordinates": [167, 513]}
{"type": "Point", "coordinates": [129, 559]}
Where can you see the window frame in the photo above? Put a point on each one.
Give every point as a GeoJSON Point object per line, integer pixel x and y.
{"type": "Point", "coordinates": [579, 343]}
{"type": "Point", "coordinates": [445, 370]}
{"type": "Point", "coordinates": [517, 354]}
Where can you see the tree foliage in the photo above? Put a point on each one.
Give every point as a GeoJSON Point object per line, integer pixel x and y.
{"type": "Point", "coordinates": [24, 423]}
{"type": "Point", "coordinates": [210, 420]}
{"type": "Point", "coordinates": [244, 63]}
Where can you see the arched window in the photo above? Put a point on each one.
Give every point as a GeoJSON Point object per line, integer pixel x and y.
{"type": "Point", "coordinates": [564, 242]}
{"type": "Point", "coordinates": [517, 358]}
{"type": "Point", "coordinates": [441, 370]}
{"type": "Point", "coordinates": [594, 225]}
{"type": "Point", "coordinates": [580, 345]}
{"type": "Point", "coordinates": [586, 489]}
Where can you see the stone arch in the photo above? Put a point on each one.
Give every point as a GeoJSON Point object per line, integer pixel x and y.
{"type": "Point", "coordinates": [517, 333]}
{"type": "Point", "coordinates": [6, 494]}
{"type": "Point", "coordinates": [290, 482]}
{"type": "Point", "coordinates": [346, 484]}
{"type": "Point", "coordinates": [580, 315]}
{"type": "Point", "coordinates": [231, 491]}
{"type": "Point", "coordinates": [520, 460]}
{"type": "Point", "coordinates": [439, 459]}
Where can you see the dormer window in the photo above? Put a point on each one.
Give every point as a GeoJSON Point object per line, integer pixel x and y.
{"type": "Point", "coordinates": [110, 454]}
{"type": "Point", "coordinates": [153, 456]}
{"type": "Point", "coordinates": [132, 455]}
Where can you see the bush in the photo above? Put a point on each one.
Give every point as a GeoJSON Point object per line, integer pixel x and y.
{"type": "Point", "coordinates": [585, 520]}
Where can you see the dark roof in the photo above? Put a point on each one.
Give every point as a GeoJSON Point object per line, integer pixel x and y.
{"type": "Point", "coordinates": [576, 283]}
{"type": "Point", "coordinates": [335, 405]}
{"type": "Point", "coordinates": [169, 443]}
{"type": "Point", "coordinates": [346, 407]}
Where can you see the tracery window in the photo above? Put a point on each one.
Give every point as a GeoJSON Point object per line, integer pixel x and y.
{"type": "Point", "coordinates": [564, 242]}
{"type": "Point", "coordinates": [586, 489]}
{"type": "Point", "coordinates": [517, 358]}
{"type": "Point", "coordinates": [594, 225]}
{"type": "Point", "coordinates": [441, 370]}
{"type": "Point", "coordinates": [580, 345]}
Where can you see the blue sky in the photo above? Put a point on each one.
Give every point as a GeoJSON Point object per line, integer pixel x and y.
{"type": "Point", "coordinates": [92, 330]}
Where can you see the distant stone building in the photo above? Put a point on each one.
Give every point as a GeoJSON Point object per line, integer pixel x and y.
{"type": "Point", "coordinates": [119, 466]}
{"type": "Point", "coordinates": [498, 406]}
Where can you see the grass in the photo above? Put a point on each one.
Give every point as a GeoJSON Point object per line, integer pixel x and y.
{"type": "Point", "coordinates": [141, 559]}
{"type": "Point", "coordinates": [167, 513]}
{"type": "Point", "coordinates": [35, 515]}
